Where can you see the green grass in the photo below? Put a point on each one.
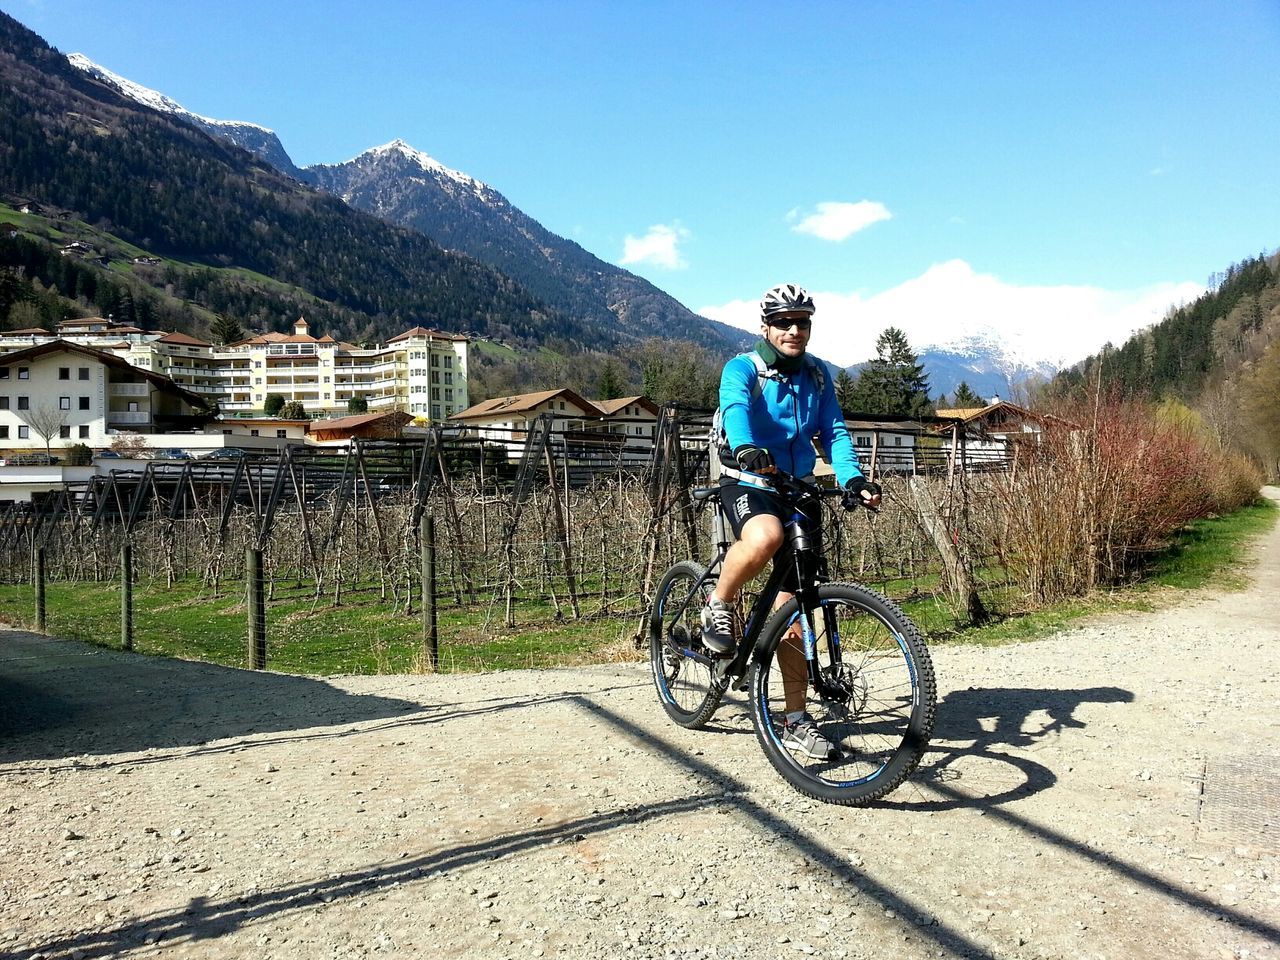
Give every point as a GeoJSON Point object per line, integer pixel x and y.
{"type": "Point", "coordinates": [364, 634]}
{"type": "Point", "coordinates": [310, 635]}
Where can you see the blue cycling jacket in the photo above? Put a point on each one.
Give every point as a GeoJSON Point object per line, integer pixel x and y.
{"type": "Point", "coordinates": [784, 416]}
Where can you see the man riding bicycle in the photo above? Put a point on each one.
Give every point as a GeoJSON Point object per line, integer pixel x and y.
{"type": "Point", "coordinates": [772, 409]}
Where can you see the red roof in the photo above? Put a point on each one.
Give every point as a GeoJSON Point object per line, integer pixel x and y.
{"type": "Point", "coordinates": [181, 338]}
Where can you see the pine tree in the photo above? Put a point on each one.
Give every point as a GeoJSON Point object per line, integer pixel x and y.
{"type": "Point", "coordinates": [966, 398]}
{"type": "Point", "coordinates": [609, 386]}
{"type": "Point", "coordinates": [845, 392]}
{"type": "Point", "coordinates": [893, 383]}
{"type": "Point", "coordinates": [226, 330]}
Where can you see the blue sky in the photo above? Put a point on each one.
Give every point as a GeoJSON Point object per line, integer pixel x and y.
{"type": "Point", "coordinates": [1058, 173]}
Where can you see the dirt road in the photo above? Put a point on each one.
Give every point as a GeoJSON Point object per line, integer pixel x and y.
{"type": "Point", "coordinates": [1111, 792]}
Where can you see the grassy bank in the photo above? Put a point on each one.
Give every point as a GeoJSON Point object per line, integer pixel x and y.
{"type": "Point", "coordinates": [308, 634]}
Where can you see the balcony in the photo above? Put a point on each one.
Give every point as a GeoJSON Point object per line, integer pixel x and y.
{"type": "Point", "coordinates": [132, 417]}
{"type": "Point", "coordinates": [130, 389]}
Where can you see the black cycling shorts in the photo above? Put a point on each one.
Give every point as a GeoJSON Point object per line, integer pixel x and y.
{"type": "Point", "coordinates": [741, 502]}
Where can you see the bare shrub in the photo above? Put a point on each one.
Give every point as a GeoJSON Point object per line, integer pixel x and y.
{"type": "Point", "coordinates": [1108, 483]}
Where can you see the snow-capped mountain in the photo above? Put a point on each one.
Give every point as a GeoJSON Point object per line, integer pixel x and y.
{"type": "Point", "coordinates": [256, 139]}
{"type": "Point", "coordinates": [408, 187]}
{"type": "Point", "coordinates": [402, 185]}
{"type": "Point", "coordinates": [992, 364]}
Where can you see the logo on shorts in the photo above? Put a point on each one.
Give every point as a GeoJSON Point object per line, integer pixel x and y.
{"type": "Point", "coordinates": [742, 507]}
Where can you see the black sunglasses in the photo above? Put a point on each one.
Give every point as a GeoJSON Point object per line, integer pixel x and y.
{"type": "Point", "coordinates": [786, 323]}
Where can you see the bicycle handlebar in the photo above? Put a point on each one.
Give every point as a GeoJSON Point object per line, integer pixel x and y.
{"type": "Point", "coordinates": [795, 486]}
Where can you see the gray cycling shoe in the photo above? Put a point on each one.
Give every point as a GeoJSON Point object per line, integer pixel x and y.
{"type": "Point", "coordinates": [718, 626]}
{"type": "Point", "coordinates": [803, 737]}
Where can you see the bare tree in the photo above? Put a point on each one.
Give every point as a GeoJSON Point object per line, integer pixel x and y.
{"type": "Point", "coordinates": [46, 421]}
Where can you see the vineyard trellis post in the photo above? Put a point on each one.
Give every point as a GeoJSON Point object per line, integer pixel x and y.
{"type": "Point", "coordinates": [562, 528]}
{"type": "Point", "coordinates": [256, 608]}
{"type": "Point", "coordinates": [126, 596]}
{"type": "Point", "coordinates": [39, 581]}
{"type": "Point", "coordinates": [430, 625]}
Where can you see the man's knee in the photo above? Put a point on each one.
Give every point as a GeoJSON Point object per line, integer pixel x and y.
{"type": "Point", "coordinates": [762, 535]}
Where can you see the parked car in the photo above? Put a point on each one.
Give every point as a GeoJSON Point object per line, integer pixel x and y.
{"type": "Point", "coordinates": [224, 453]}
{"type": "Point", "coordinates": [171, 453]}
{"type": "Point", "coordinates": [106, 455]}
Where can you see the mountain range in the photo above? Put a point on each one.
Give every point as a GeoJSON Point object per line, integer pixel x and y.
{"type": "Point", "coordinates": [405, 186]}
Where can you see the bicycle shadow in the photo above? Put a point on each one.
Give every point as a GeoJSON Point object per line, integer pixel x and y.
{"type": "Point", "coordinates": [980, 752]}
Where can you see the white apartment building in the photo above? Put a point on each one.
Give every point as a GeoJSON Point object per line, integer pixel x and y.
{"type": "Point", "coordinates": [421, 372]}
{"type": "Point", "coordinates": [56, 394]}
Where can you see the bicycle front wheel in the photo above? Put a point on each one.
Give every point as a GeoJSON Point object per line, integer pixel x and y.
{"type": "Point", "coordinates": [878, 710]}
{"type": "Point", "coordinates": [682, 667]}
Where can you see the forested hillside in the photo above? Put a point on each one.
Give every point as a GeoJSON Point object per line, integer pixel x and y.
{"type": "Point", "coordinates": [1220, 355]}
{"type": "Point", "coordinates": [73, 143]}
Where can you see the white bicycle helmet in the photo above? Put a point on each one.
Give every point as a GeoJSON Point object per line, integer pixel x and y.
{"type": "Point", "coordinates": [786, 298]}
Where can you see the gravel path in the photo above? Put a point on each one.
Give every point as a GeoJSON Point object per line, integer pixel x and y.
{"type": "Point", "coordinates": [1110, 792]}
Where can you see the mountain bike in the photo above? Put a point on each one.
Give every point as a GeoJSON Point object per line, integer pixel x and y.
{"type": "Point", "coordinates": [870, 683]}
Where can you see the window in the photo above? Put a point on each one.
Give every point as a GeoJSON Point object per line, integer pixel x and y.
{"type": "Point", "coordinates": [253, 433]}
{"type": "Point", "coordinates": [435, 376]}
{"type": "Point", "coordinates": [897, 441]}
{"type": "Point", "coordinates": [24, 373]}
{"type": "Point", "coordinates": [435, 360]}
{"type": "Point", "coordinates": [4, 432]}
{"type": "Point", "coordinates": [862, 441]}
{"type": "Point", "coordinates": [24, 433]}
{"type": "Point", "coordinates": [64, 432]}
{"type": "Point", "coordinates": [281, 434]}
{"type": "Point", "coordinates": [448, 361]}
{"type": "Point", "coordinates": [226, 433]}
{"type": "Point", "coordinates": [448, 377]}
{"type": "Point", "coordinates": [435, 412]}
{"type": "Point", "coordinates": [448, 394]}
{"type": "Point", "coordinates": [64, 403]}
{"type": "Point", "coordinates": [64, 373]}
{"type": "Point", "coordinates": [133, 405]}
{"type": "Point", "coordinates": [84, 373]}
{"type": "Point", "coordinates": [84, 404]}
{"type": "Point", "coordinates": [435, 393]}
{"type": "Point", "coordinates": [4, 373]}
{"type": "Point", "coordinates": [24, 403]}
{"type": "Point", "coordinates": [4, 403]}
{"type": "Point", "coordinates": [84, 431]}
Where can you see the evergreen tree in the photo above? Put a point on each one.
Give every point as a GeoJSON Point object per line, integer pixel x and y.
{"type": "Point", "coordinates": [294, 410]}
{"type": "Point", "coordinates": [357, 405]}
{"type": "Point", "coordinates": [226, 330]}
{"type": "Point", "coordinates": [845, 392]}
{"type": "Point", "coordinates": [893, 383]}
{"type": "Point", "coordinates": [609, 386]}
{"type": "Point", "coordinates": [965, 397]}
{"type": "Point", "coordinates": [273, 404]}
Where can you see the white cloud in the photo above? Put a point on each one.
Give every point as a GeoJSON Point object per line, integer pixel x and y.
{"type": "Point", "coordinates": [837, 220]}
{"type": "Point", "coordinates": [660, 247]}
{"type": "Point", "coordinates": [951, 300]}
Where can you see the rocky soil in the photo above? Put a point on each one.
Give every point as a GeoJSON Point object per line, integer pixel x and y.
{"type": "Point", "coordinates": [1111, 792]}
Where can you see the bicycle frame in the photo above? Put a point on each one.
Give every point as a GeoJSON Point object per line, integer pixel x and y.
{"type": "Point", "coordinates": [802, 559]}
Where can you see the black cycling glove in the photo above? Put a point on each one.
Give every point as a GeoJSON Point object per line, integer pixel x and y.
{"type": "Point", "coordinates": [853, 498]}
{"type": "Point", "coordinates": [753, 459]}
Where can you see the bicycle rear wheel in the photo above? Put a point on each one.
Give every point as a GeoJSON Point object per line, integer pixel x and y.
{"type": "Point", "coordinates": [682, 670]}
{"type": "Point", "coordinates": [881, 716]}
